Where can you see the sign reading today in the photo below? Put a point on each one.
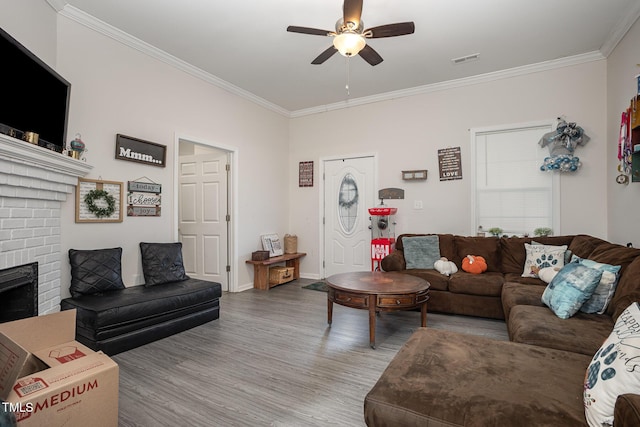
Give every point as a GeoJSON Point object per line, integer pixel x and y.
{"type": "Point", "coordinates": [137, 150]}
{"type": "Point", "coordinates": [144, 199]}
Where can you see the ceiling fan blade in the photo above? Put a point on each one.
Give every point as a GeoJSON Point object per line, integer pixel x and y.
{"type": "Point", "coordinates": [370, 55]}
{"type": "Point", "coordinates": [352, 11]}
{"type": "Point", "coordinates": [391, 30]}
{"type": "Point", "coordinates": [306, 30]}
{"type": "Point", "coordinates": [324, 55]}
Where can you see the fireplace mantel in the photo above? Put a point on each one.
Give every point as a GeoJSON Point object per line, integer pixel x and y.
{"type": "Point", "coordinates": [34, 183]}
{"type": "Point", "coordinates": [18, 151]}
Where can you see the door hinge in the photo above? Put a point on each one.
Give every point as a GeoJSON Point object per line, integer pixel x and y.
{"type": "Point", "coordinates": [227, 167]}
{"type": "Point", "coordinates": [228, 218]}
{"type": "Point", "coordinates": [228, 268]}
{"type": "Point", "coordinates": [323, 223]}
{"type": "Point", "coordinates": [323, 264]}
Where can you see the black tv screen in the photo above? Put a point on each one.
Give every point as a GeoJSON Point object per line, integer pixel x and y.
{"type": "Point", "coordinates": [36, 98]}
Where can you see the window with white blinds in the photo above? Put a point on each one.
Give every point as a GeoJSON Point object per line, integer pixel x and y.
{"type": "Point", "coordinates": [509, 189]}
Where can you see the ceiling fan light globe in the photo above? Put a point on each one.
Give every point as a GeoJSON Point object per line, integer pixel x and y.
{"type": "Point", "coordinates": [349, 44]}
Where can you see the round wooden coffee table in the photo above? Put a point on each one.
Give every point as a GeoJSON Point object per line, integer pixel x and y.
{"type": "Point", "coordinates": [377, 291]}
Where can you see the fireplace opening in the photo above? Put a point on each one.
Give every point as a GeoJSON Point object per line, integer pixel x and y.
{"type": "Point", "coordinates": [19, 292]}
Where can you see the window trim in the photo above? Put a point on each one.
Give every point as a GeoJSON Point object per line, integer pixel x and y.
{"type": "Point", "coordinates": [555, 180]}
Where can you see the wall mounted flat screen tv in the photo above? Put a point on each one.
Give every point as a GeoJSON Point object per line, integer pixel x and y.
{"type": "Point", "coordinates": [34, 97]}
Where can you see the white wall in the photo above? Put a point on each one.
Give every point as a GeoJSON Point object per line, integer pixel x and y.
{"type": "Point", "coordinates": [623, 200]}
{"type": "Point", "coordinates": [407, 132]}
{"type": "Point", "coordinates": [33, 24]}
{"type": "Point", "coordinates": [116, 89]}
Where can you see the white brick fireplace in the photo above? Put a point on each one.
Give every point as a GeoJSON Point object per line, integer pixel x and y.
{"type": "Point", "coordinates": [34, 182]}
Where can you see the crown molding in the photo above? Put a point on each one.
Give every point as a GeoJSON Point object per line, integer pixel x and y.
{"type": "Point", "coordinates": [620, 30]}
{"type": "Point", "coordinates": [452, 84]}
{"type": "Point", "coordinates": [95, 24]}
{"type": "Point", "coordinates": [57, 5]}
{"type": "Point", "coordinates": [114, 33]}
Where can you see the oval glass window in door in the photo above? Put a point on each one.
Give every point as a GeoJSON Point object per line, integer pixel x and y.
{"type": "Point", "coordinates": [348, 203]}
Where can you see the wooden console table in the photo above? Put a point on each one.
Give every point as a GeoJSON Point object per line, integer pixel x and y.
{"type": "Point", "coordinates": [261, 268]}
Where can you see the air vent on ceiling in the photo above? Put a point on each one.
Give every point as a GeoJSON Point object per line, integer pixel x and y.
{"type": "Point", "coordinates": [468, 58]}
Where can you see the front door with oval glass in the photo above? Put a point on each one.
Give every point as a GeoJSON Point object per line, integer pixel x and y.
{"type": "Point", "coordinates": [348, 194]}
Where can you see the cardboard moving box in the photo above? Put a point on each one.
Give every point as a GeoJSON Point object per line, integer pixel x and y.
{"type": "Point", "coordinates": [49, 379]}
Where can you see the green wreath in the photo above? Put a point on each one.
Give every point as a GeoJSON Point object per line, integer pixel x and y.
{"type": "Point", "coordinates": [94, 195]}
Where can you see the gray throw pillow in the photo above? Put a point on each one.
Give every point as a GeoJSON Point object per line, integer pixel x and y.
{"type": "Point", "coordinates": [421, 251]}
{"type": "Point", "coordinates": [162, 263]}
{"type": "Point", "coordinates": [95, 271]}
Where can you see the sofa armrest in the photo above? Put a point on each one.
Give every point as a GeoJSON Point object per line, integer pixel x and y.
{"type": "Point", "coordinates": [627, 410]}
{"type": "Point", "coordinates": [394, 261]}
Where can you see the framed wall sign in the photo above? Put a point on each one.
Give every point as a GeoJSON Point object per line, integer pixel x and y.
{"type": "Point", "coordinates": [305, 174]}
{"type": "Point", "coordinates": [144, 198]}
{"type": "Point", "coordinates": [140, 151]}
{"type": "Point", "coordinates": [450, 163]}
{"type": "Point", "coordinates": [98, 201]}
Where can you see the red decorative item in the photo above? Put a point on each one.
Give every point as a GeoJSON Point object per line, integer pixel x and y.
{"type": "Point", "coordinates": [474, 264]}
{"type": "Point", "coordinates": [382, 234]}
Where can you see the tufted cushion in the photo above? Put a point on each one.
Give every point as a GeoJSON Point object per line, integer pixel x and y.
{"type": "Point", "coordinates": [95, 271]}
{"type": "Point", "coordinates": [162, 263]}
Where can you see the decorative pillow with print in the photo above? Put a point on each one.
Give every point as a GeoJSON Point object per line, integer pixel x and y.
{"type": "Point", "coordinates": [541, 256]}
{"type": "Point", "coordinates": [570, 288]}
{"type": "Point", "coordinates": [606, 288]}
{"type": "Point", "coordinates": [421, 252]}
{"type": "Point", "coordinates": [614, 370]}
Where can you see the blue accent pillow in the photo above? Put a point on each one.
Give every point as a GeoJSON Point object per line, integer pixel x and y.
{"type": "Point", "coordinates": [606, 288]}
{"type": "Point", "coordinates": [570, 288]}
{"type": "Point", "coordinates": [421, 251]}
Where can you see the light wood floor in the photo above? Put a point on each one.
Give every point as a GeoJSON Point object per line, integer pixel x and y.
{"type": "Point", "coordinates": [270, 360]}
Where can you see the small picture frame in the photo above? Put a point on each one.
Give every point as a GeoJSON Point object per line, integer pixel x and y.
{"type": "Point", "coordinates": [98, 201]}
{"type": "Point", "coordinates": [271, 243]}
{"type": "Point", "coordinates": [305, 174]}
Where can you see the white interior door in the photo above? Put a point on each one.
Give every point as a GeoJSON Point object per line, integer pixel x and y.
{"type": "Point", "coordinates": [348, 194]}
{"type": "Point", "coordinates": [202, 215]}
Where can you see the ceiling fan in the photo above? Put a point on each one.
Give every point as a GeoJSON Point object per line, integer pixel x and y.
{"type": "Point", "coordinates": [349, 36]}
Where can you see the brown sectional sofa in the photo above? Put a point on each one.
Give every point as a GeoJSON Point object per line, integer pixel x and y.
{"type": "Point", "coordinates": [441, 378]}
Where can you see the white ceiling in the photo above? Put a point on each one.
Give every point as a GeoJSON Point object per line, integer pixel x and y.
{"type": "Point", "coordinates": [244, 46]}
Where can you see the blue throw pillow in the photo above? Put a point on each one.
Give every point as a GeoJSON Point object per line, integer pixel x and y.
{"type": "Point", "coordinates": [570, 288]}
{"type": "Point", "coordinates": [421, 251]}
{"type": "Point", "coordinates": [606, 288]}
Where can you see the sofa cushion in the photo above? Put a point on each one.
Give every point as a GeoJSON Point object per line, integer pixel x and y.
{"type": "Point", "coordinates": [99, 315]}
{"type": "Point", "coordinates": [486, 247]}
{"type": "Point", "coordinates": [95, 271]}
{"type": "Point", "coordinates": [570, 288]}
{"type": "Point", "coordinates": [517, 278]}
{"type": "Point", "coordinates": [582, 245]}
{"type": "Point", "coordinates": [436, 280]}
{"type": "Point", "coordinates": [613, 370]}
{"type": "Point", "coordinates": [627, 291]}
{"type": "Point", "coordinates": [442, 378]}
{"type": "Point", "coordinates": [514, 255]}
{"type": "Point", "coordinates": [541, 256]}
{"type": "Point", "coordinates": [447, 245]}
{"type": "Point", "coordinates": [486, 284]}
{"type": "Point", "coordinates": [162, 263]}
{"type": "Point", "coordinates": [518, 294]}
{"type": "Point", "coordinates": [583, 333]}
{"type": "Point", "coordinates": [421, 251]}
{"type": "Point", "coordinates": [610, 253]}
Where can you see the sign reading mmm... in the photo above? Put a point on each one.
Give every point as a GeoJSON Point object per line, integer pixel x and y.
{"type": "Point", "coordinates": [140, 151]}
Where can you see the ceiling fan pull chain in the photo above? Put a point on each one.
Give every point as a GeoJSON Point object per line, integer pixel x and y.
{"type": "Point", "coordinates": [348, 77]}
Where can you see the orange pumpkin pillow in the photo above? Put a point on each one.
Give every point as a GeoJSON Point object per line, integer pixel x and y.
{"type": "Point", "coordinates": [474, 264]}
